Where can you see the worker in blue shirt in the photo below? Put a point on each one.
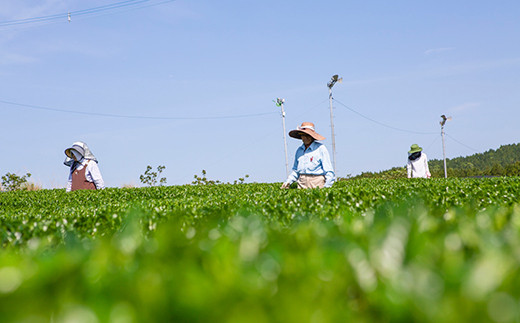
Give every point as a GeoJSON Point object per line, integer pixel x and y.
{"type": "Point", "coordinates": [312, 167]}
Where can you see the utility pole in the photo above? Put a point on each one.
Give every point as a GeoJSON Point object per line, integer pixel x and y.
{"type": "Point", "coordinates": [279, 103]}
{"type": "Point", "coordinates": [443, 122]}
{"type": "Point", "coordinates": [331, 83]}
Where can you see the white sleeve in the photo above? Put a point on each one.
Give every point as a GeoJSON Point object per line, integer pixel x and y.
{"type": "Point", "coordinates": [409, 169]}
{"type": "Point", "coordinates": [69, 182]}
{"type": "Point", "coordinates": [293, 177]}
{"type": "Point", "coordinates": [330, 176]}
{"type": "Point", "coordinates": [426, 167]}
{"type": "Point", "coordinates": [95, 174]}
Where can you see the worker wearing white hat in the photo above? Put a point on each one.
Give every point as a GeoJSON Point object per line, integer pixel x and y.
{"type": "Point", "coordinates": [84, 171]}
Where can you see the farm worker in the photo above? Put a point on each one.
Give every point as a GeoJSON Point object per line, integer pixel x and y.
{"type": "Point", "coordinates": [312, 167]}
{"type": "Point", "coordinates": [84, 172]}
{"type": "Point", "coordinates": [417, 166]}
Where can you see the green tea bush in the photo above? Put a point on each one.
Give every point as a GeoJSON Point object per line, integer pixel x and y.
{"type": "Point", "coordinates": [364, 250]}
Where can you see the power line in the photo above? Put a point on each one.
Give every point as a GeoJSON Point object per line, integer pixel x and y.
{"type": "Point", "coordinates": [66, 14]}
{"type": "Point", "coordinates": [133, 8]}
{"type": "Point", "coordinates": [404, 130]}
{"type": "Point", "coordinates": [134, 116]}
{"type": "Point", "coordinates": [309, 109]}
{"type": "Point", "coordinates": [384, 124]}
{"type": "Point", "coordinates": [431, 144]}
{"type": "Point", "coordinates": [461, 143]}
{"type": "Point", "coordinates": [83, 12]}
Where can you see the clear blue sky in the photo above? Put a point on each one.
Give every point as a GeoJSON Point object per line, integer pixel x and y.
{"type": "Point", "coordinates": [403, 63]}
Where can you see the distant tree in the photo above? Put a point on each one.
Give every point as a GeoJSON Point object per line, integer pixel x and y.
{"type": "Point", "coordinates": [13, 182]}
{"type": "Point", "coordinates": [490, 163]}
{"type": "Point", "coordinates": [150, 177]}
{"type": "Point", "coordinates": [393, 173]}
{"type": "Point", "coordinates": [497, 170]}
{"type": "Point", "coordinates": [203, 180]}
{"type": "Point", "coordinates": [513, 169]}
{"type": "Point", "coordinates": [505, 161]}
{"type": "Point", "coordinates": [241, 180]}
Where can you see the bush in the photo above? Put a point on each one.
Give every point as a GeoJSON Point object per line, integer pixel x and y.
{"type": "Point", "coordinates": [13, 182]}
{"type": "Point", "coordinates": [150, 178]}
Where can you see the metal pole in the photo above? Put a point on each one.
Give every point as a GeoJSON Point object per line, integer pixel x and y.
{"type": "Point", "coordinates": [444, 152]}
{"type": "Point", "coordinates": [332, 129]}
{"type": "Point", "coordinates": [285, 141]}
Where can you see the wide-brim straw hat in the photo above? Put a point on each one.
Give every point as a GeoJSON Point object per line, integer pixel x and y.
{"type": "Point", "coordinates": [306, 128]}
{"type": "Point", "coordinates": [77, 148]}
{"type": "Point", "coordinates": [414, 148]}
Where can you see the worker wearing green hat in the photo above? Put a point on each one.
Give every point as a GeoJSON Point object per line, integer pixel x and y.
{"type": "Point", "coordinates": [417, 166]}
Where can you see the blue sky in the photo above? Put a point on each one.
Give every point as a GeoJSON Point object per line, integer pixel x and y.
{"type": "Point", "coordinates": [403, 63]}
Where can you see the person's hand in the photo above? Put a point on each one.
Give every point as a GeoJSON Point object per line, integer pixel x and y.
{"type": "Point", "coordinates": [285, 185]}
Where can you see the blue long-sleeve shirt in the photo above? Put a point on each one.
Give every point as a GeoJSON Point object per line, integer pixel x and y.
{"type": "Point", "coordinates": [314, 160]}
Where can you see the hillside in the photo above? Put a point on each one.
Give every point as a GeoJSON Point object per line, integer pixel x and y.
{"type": "Point", "coordinates": [505, 161]}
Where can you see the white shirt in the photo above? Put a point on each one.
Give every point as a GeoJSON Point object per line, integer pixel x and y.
{"type": "Point", "coordinates": [92, 174]}
{"type": "Point", "coordinates": [418, 168]}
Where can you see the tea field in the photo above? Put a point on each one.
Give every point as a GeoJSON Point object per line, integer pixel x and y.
{"type": "Point", "coordinates": [364, 251]}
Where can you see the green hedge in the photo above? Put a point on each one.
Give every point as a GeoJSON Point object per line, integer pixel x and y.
{"type": "Point", "coordinates": [366, 250]}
